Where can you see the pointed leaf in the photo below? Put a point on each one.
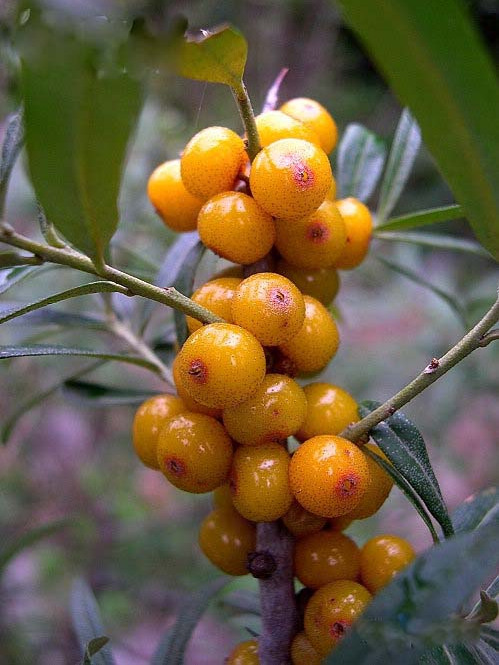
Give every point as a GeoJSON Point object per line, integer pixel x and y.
{"type": "Point", "coordinates": [29, 538]}
{"type": "Point", "coordinates": [11, 277]}
{"type": "Point", "coordinates": [477, 510]}
{"type": "Point", "coordinates": [11, 147]}
{"type": "Point", "coordinates": [436, 241]}
{"type": "Point", "coordinates": [95, 394]}
{"type": "Point", "coordinates": [48, 316]}
{"type": "Point", "coordinates": [93, 647]}
{"type": "Point", "coordinates": [87, 622]}
{"type": "Point", "coordinates": [404, 446]}
{"type": "Point", "coordinates": [361, 156]}
{"type": "Point", "coordinates": [184, 283]}
{"type": "Point", "coordinates": [422, 218]}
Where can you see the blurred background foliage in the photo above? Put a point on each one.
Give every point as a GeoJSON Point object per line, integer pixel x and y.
{"type": "Point", "coordinates": [131, 535]}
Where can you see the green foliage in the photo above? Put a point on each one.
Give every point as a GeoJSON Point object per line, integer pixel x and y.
{"type": "Point", "coordinates": [93, 647]}
{"type": "Point", "coordinates": [361, 156]}
{"type": "Point", "coordinates": [436, 241]}
{"type": "Point", "coordinates": [184, 283]}
{"type": "Point", "coordinates": [96, 394]}
{"type": "Point", "coordinates": [12, 144]}
{"type": "Point", "coordinates": [477, 510]}
{"type": "Point", "coordinates": [88, 626]}
{"type": "Point", "coordinates": [422, 218]}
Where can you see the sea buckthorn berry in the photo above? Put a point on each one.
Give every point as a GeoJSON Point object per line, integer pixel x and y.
{"type": "Point", "coordinates": [194, 452]}
{"type": "Point", "coordinates": [259, 482]}
{"type": "Point", "coordinates": [315, 241]}
{"type": "Point", "coordinates": [317, 340]}
{"type": "Point", "coordinates": [226, 539]}
{"type": "Point", "coordinates": [329, 410]}
{"type": "Point", "coordinates": [332, 610]}
{"type": "Point", "coordinates": [379, 487]}
{"type": "Point", "coordinates": [340, 523]}
{"type": "Point", "coordinates": [382, 558]}
{"type": "Point", "coordinates": [221, 365]}
{"type": "Point", "coordinates": [302, 652]}
{"type": "Point", "coordinates": [275, 125]}
{"type": "Point", "coordinates": [300, 522]}
{"type": "Point", "coordinates": [189, 402]}
{"type": "Point", "coordinates": [211, 161]}
{"type": "Point", "coordinates": [290, 178]}
{"type": "Point", "coordinates": [322, 284]}
{"type": "Point", "coordinates": [328, 475]}
{"type": "Point", "coordinates": [222, 498]}
{"type": "Point", "coordinates": [216, 295]}
{"type": "Point", "coordinates": [358, 222]}
{"type": "Point", "coordinates": [313, 115]}
{"type": "Point", "coordinates": [324, 557]}
{"type": "Point", "coordinates": [245, 653]}
{"type": "Point", "coordinates": [274, 412]}
{"type": "Point", "coordinates": [149, 419]}
{"type": "Point", "coordinates": [177, 207]}
{"type": "Point", "coordinates": [270, 306]}
{"type": "Point", "coordinates": [235, 227]}
{"type": "Point", "coordinates": [331, 195]}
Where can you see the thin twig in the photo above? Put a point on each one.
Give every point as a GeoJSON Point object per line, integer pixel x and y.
{"type": "Point", "coordinates": [248, 117]}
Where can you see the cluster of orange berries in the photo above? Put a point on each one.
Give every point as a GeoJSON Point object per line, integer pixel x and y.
{"type": "Point", "coordinates": [238, 400]}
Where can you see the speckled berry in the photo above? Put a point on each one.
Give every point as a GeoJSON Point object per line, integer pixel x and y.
{"type": "Point", "coordinates": [300, 522]}
{"type": "Point", "coordinates": [275, 125]}
{"type": "Point", "coordinates": [302, 652]}
{"type": "Point", "coordinates": [215, 295]}
{"type": "Point", "coordinates": [226, 539]}
{"type": "Point", "coordinates": [382, 558]}
{"type": "Point", "coordinates": [329, 410]}
{"type": "Point", "coordinates": [324, 557]}
{"type": "Point", "coordinates": [322, 284]}
{"type": "Point", "coordinates": [191, 404]}
{"type": "Point", "coordinates": [316, 117]}
{"type": "Point", "coordinates": [380, 484]}
{"type": "Point", "coordinates": [358, 223]}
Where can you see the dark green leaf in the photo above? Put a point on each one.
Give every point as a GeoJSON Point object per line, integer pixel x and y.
{"type": "Point", "coordinates": [12, 259]}
{"type": "Point", "coordinates": [11, 277]}
{"type": "Point", "coordinates": [184, 283]}
{"type": "Point", "coordinates": [477, 510]}
{"type": "Point", "coordinates": [93, 647]}
{"type": "Point", "coordinates": [404, 446]}
{"type": "Point", "coordinates": [403, 152]}
{"type": "Point", "coordinates": [490, 636]}
{"type": "Point", "coordinates": [95, 394]}
{"type": "Point", "coordinates": [436, 241]}
{"type": "Point", "coordinates": [86, 113]}
{"type": "Point", "coordinates": [422, 218]}
{"type": "Point", "coordinates": [432, 57]}
{"type": "Point", "coordinates": [87, 622]}
{"type": "Point", "coordinates": [29, 538]}
{"type": "Point", "coordinates": [50, 316]}
{"type": "Point", "coordinates": [11, 147]}
{"type": "Point", "coordinates": [361, 156]}
{"type": "Point", "coordinates": [171, 648]}
{"type": "Point", "coordinates": [419, 608]}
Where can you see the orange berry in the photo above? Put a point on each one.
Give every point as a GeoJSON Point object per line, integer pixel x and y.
{"type": "Point", "coordinates": [328, 475]}
{"type": "Point", "coordinates": [190, 403]}
{"type": "Point", "coordinates": [259, 482]}
{"type": "Point", "coordinates": [324, 557]}
{"type": "Point", "coordinates": [358, 223]}
{"type": "Point", "coordinates": [275, 125]}
{"type": "Point", "coordinates": [194, 452]}
{"type": "Point", "coordinates": [245, 653]}
{"type": "Point", "coordinates": [177, 207]}
{"type": "Point", "coordinates": [332, 610]}
{"type": "Point", "coordinates": [215, 295]}
{"type": "Point", "coordinates": [302, 652]}
{"type": "Point", "coordinates": [317, 340]}
{"type": "Point", "coordinates": [211, 161]}
{"type": "Point", "coordinates": [222, 498]}
{"type": "Point", "coordinates": [300, 522]}
{"type": "Point", "coordinates": [314, 115]}
{"type": "Point", "coordinates": [331, 195]}
{"type": "Point", "coordinates": [271, 414]}
{"type": "Point", "coordinates": [226, 539]}
{"type": "Point", "coordinates": [382, 558]}
{"type": "Point", "coordinates": [340, 523]}
{"type": "Point", "coordinates": [315, 241]}
{"type": "Point", "coordinates": [221, 365]}
{"type": "Point", "coordinates": [270, 307]}
{"type": "Point", "coordinates": [149, 419]}
{"type": "Point", "coordinates": [290, 178]}
{"type": "Point", "coordinates": [235, 227]}
{"type": "Point", "coordinates": [329, 410]}
{"type": "Point", "coordinates": [322, 284]}
{"type": "Point", "coordinates": [380, 484]}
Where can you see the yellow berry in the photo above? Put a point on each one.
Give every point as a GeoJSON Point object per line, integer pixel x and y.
{"type": "Point", "coordinates": [382, 558]}
{"type": "Point", "coordinates": [315, 241]}
{"type": "Point", "coordinates": [314, 115]}
{"type": "Point", "coordinates": [358, 223]}
{"type": "Point", "coordinates": [324, 557]}
{"type": "Point", "coordinates": [377, 492]}
{"type": "Point", "coordinates": [331, 195]}
{"type": "Point", "coordinates": [221, 365]}
{"type": "Point", "coordinates": [328, 475]}
{"type": "Point", "coordinates": [177, 207]}
{"type": "Point", "coordinates": [300, 522]}
{"type": "Point", "coordinates": [317, 340]}
{"type": "Point", "coordinates": [236, 228]}
{"type": "Point", "coordinates": [275, 125]}
{"type": "Point", "coordinates": [271, 414]}
{"type": "Point", "coordinates": [340, 523]}
{"type": "Point", "coordinates": [332, 610]}
{"type": "Point", "coordinates": [189, 402]}
{"type": "Point", "coordinates": [149, 419]}
{"type": "Point", "coordinates": [302, 652]}
{"type": "Point", "coordinates": [329, 410]}
{"type": "Point", "coordinates": [194, 452]}
{"type": "Point", "coordinates": [259, 482]}
{"type": "Point", "coordinates": [270, 306]}
{"type": "Point", "coordinates": [222, 498]}
{"type": "Point", "coordinates": [290, 178]}
{"type": "Point", "coordinates": [211, 161]}
{"type": "Point", "coordinates": [322, 284]}
{"type": "Point", "coordinates": [226, 539]}
{"type": "Point", "coordinates": [245, 653]}
{"type": "Point", "coordinates": [216, 295]}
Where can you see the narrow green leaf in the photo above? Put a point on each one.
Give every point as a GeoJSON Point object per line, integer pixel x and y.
{"type": "Point", "coordinates": [490, 636]}
{"type": "Point", "coordinates": [404, 446]}
{"type": "Point", "coordinates": [456, 307]}
{"type": "Point", "coordinates": [171, 648]}
{"type": "Point", "coordinates": [29, 538]}
{"type": "Point", "coordinates": [87, 622]}
{"type": "Point", "coordinates": [422, 218]}
{"type": "Point", "coordinates": [48, 316]}
{"type": "Point", "coordinates": [403, 152]}
{"type": "Point", "coordinates": [11, 147]}
{"type": "Point", "coordinates": [436, 241]}
{"type": "Point", "coordinates": [96, 394]}
{"type": "Point", "coordinates": [477, 510]}
{"type": "Point", "coordinates": [420, 607]}
{"type": "Point", "coordinates": [9, 278]}
{"type": "Point", "coordinates": [493, 588]}
{"type": "Point", "coordinates": [432, 57]}
{"type": "Point", "coordinates": [184, 283]}
{"type": "Point", "coordinates": [12, 259]}
{"type": "Point", "coordinates": [93, 647]}
{"type": "Point", "coordinates": [361, 156]}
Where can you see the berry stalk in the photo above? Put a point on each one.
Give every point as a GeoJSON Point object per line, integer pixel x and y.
{"type": "Point", "coordinates": [248, 117]}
